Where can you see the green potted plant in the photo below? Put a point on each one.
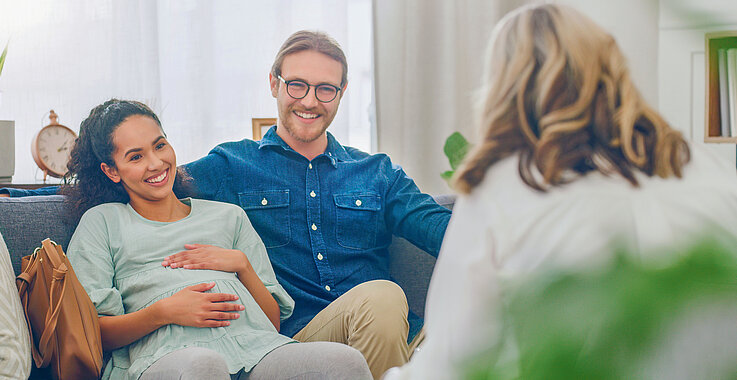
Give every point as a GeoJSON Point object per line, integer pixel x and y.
{"type": "Point", "coordinates": [456, 147]}
{"type": "Point", "coordinates": [2, 58]}
{"type": "Point", "coordinates": [620, 320]}
{"type": "Point", "coordinates": [2, 63]}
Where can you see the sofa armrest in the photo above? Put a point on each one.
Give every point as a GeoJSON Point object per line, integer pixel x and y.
{"type": "Point", "coordinates": [25, 222]}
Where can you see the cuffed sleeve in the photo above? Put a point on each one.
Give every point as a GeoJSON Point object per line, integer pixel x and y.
{"type": "Point", "coordinates": [91, 257]}
{"type": "Point", "coordinates": [414, 215]}
{"type": "Point", "coordinates": [108, 301]}
{"type": "Point", "coordinates": [286, 303]}
{"type": "Point", "coordinates": [250, 243]}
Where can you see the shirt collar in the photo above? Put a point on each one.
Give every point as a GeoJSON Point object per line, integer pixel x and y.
{"type": "Point", "coordinates": [334, 152]}
{"type": "Point", "coordinates": [270, 138]}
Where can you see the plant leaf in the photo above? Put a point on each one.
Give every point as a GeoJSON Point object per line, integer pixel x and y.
{"type": "Point", "coordinates": [447, 175]}
{"type": "Point", "coordinates": [2, 57]}
{"type": "Point", "coordinates": [596, 322]}
{"type": "Point", "coordinates": [456, 147]}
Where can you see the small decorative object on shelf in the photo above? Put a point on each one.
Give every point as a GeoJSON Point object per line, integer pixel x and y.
{"type": "Point", "coordinates": [260, 125]}
{"type": "Point", "coordinates": [7, 137]}
{"type": "Point", "coordinates": [7, 150]}
{"type": "Point", "coordinates": [51, 147]}
{"type": "Point", "coordinates": [721, 87]}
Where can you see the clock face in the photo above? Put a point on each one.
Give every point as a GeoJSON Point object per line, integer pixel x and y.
{"type": "Point", "coordinates": [53, 144]}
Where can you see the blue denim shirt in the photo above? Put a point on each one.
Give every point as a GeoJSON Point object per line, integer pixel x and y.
{"type": "Point", "coordinates": [326, 223]}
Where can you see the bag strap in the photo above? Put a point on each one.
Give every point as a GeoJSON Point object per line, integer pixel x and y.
{"type": "Point", "coordinates": [52, 253]}
{"type": "Point", "coordinates": [56, 295]}
{"type": "Point", "coordinates": [22, 281]}
{"type": "Point", "coordinates": [52, 315]}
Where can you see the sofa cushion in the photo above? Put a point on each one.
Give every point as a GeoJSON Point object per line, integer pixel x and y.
{"type": "Point", "coordinates": [15, 343]}
{"type": "Point", "coordinates": [25, 222]}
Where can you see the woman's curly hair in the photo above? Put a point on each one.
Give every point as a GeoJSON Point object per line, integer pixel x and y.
{"type": "Point", "coordinates": [85, 184]}
{"type": "Point", "coordinates": [557, 92]}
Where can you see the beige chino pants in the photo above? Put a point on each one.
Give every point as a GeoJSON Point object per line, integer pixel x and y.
{"type": "Point", "coordinates": [372, 318]}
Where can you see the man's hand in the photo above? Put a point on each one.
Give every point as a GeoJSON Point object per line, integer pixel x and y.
{"type": "Point", "coordinates": [191, 306]}
{"type": "Point", "coordinates": [5, 195]}
{"type": "Point", "coordinates": [202, 256]}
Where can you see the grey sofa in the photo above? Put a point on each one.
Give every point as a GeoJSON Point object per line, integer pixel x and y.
{"type": "Point", "coordinates": [25, 222]}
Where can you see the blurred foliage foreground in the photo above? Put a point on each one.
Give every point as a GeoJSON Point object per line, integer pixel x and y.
{"type": "Point", "coordinates": [627, 320]}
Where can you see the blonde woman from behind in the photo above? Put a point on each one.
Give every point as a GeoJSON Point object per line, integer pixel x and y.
{"type": "Point", "coordinates": [571, 163]}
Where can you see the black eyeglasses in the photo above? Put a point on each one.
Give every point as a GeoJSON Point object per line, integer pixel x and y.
{"type": "Point", "coordinates": [298, 89]}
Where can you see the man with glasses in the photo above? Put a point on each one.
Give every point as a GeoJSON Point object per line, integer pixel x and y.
{"type": "Point", "coordinates": [325, 212]}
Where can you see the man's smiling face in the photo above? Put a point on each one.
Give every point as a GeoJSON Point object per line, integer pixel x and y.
{"type": "Point", "coordinates": [305, 120]}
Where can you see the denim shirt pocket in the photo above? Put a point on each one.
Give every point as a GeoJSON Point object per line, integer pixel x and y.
{"type": "Point", "coordinates": [269, 214]}
{"type": "Point", "coordinates": [357, 215]}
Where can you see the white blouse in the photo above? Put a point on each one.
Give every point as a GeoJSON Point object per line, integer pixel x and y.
{"type": "Point", "coordinates": [505, 229]}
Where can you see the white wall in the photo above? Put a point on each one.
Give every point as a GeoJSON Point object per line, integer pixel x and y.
{"type": "Point", "coordinates": [634, 24]}
{"type": "Point", "coordinates": [663, 41]}
{"type": "Point", "coordinates": [681, 75]}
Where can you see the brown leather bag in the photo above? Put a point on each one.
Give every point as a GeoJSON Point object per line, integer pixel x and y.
{"type": "Point", "coordinates": [65, 331]}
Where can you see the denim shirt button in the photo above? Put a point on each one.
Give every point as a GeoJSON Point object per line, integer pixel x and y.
{"type": "Point", "coordinates": [319, 256]}
{"type": "Point", "coordinates": [264, 202]}
{"type": "Point", "coordinates": [310, 166]}
{"type": "Point", "coordinates": [314, 227]}
{"type": "Point", "coordinates": [312, 194]}
{"type": "Point", "coordinates": [358, 202]}
{"type": "Point", "coordinates": [327, 287]}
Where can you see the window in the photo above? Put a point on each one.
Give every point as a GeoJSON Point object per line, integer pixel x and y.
{"type": "Point", "coordinates": [201, 65]}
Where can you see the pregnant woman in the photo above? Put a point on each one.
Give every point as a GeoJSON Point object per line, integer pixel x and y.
{"type": "Point", "coordinates": [184, 288]}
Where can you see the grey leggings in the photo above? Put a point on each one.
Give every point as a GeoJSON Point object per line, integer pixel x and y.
{"type": "Point", "coordinates": [303, 361]}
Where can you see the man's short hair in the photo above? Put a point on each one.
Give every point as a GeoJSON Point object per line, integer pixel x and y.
{"type": "Point", "coordinates": [311, 40]}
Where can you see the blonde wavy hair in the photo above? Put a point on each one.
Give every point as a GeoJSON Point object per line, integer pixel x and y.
{"type": "Point", "coordinates": [557, 91]}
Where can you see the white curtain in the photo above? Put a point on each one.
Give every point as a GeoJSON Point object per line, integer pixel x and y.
{"type": "Point", "coordinates": [202, 65]}
{"type": "Point", "coordinates": [428, 58]}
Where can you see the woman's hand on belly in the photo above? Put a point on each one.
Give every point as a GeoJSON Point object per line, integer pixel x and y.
{"type": "Point", "coordinates": [191, 306]}
{"type": "Point", "coordinates": [202, 256]}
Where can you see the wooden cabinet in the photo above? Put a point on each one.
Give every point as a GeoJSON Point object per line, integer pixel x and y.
{"type": "Point", "coordinates": [715, 41]}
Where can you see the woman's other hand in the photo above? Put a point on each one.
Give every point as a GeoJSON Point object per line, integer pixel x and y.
{"type": "Point", "coordinates": [203, 256]}
{"type": "Point", "coordinates": [191, 306]}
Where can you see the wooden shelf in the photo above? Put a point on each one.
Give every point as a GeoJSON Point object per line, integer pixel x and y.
{"type": "Point", "coordinates": [26, 186]}
{"type": "Point", "coordinates": [712, 125]}
{"type": "Point", "coordinates": [720, 140]}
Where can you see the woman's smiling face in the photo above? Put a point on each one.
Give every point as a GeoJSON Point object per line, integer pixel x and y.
{"type": "Point", "coordinates": [145, 163]}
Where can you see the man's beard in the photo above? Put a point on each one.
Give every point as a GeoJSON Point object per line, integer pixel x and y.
{"type": "Point", "coordinates": [292, 131]}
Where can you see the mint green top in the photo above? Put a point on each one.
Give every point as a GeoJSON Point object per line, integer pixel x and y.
{"type": "Point", "coordinates": [117, 255]}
